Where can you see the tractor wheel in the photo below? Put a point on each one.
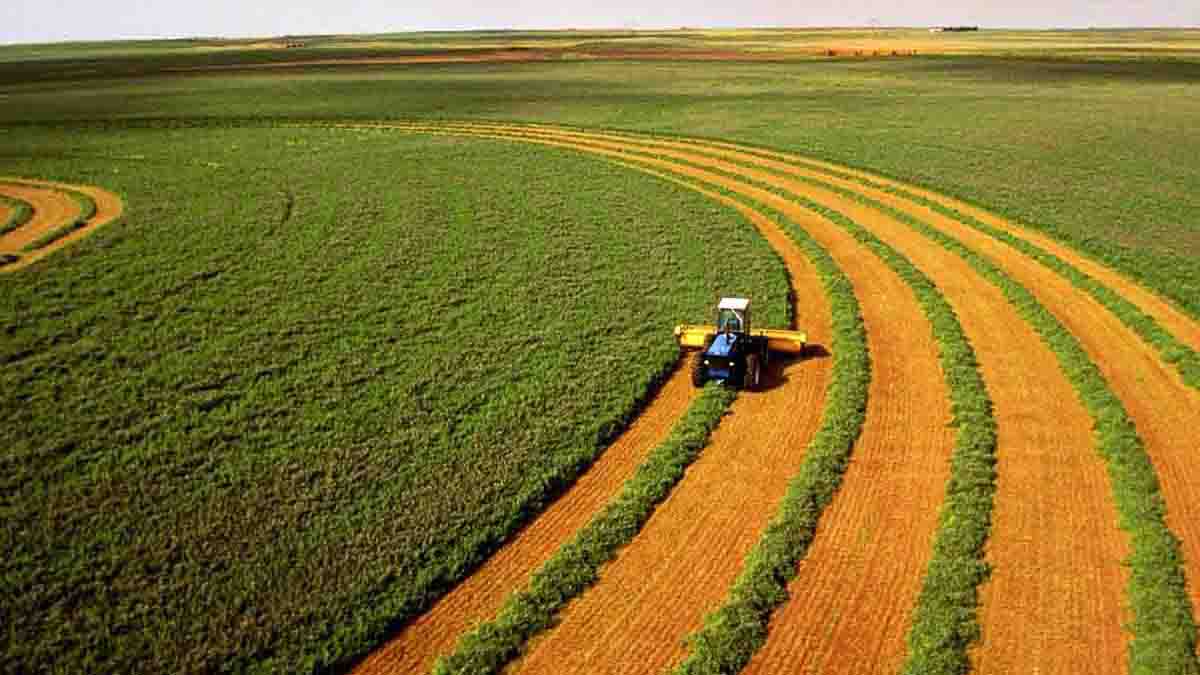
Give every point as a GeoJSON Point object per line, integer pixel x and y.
{"type": "Point", "coordinates": [752, 372]}
{"type": "Point", "coordinates": [699, 372]}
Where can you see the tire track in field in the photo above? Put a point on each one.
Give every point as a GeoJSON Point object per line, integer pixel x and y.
{"type": "Point", "coordinates": [835, 595]}
{"type": "Point", "coordinates": [53, 208]}
{"type": "Point", "coordinates": [908, 407]}
{"type": "Point", "coordinates": [478, 597]}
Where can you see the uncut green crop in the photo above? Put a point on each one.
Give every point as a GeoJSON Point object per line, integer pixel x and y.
{"type": "Point", "coordinates": [314, 376]}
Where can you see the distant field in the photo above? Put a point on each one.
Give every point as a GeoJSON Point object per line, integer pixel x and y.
{"type": "Point", "coordinates": [314, 376]}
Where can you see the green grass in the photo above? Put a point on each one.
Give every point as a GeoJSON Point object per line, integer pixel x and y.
{"type": "Point", "coordinates": [242, 436]}
{"type": "Point", "coordinates": [87, 210]}
{"type": "Point", "coordinates": [488, 647]}
{"type": "Point", "coordinates": [21, 213]}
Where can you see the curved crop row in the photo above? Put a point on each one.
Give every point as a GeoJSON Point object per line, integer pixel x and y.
{"type": "Point", "coordinates": [735, 632]}
{"type": "Point", "coordinates": [575, 567]}
{"type": "Point", "coordinates": [1163, 625]}
{"type": "Point", "coordinates": [87, 211]}
{"type": "Point", "coordinates": [1157, 589]}
{"type": "Point", "coordinates": [1171, 349]}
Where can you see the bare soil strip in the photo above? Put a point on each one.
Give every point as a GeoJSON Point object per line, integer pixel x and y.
{"type": "Point", "coordinates": [478, 598]}
{"type": "Point", "coordinates": [909, 408]}
{"type": "Point", "coordinates": [1070, 583]}
{"type": "Point", "coordinates": [53, 209]}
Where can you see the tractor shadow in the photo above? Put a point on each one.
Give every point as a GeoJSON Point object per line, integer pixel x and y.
{"type": "Point", "coordinates": [775, 374]}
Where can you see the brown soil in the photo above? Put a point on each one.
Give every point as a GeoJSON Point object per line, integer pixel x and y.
{"type": "Point", "coordinates": [908, 409]}
{"type": "Point", "coordinates": [480, 596]}
{"type": "Point", "coordinates": [58, 208]}
{"type": "Point", "coordinates": [6, 212]}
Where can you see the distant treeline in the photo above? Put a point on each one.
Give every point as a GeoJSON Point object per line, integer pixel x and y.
{"type": "Point", "coordinates": [955, 29]}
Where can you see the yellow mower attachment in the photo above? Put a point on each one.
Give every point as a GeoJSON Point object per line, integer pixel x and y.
{"type": "Point", "coordinates": [782, 341]}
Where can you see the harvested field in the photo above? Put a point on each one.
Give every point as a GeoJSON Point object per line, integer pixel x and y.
{"type": "Point", "coordinates": [1045, 444]}
{"type": "Point", "coordinates": [53, 208]}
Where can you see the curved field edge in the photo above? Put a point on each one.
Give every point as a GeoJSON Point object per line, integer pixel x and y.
{"type": "Point", "coordinates": [89, 220]}
{"type": "Point", "coordinates": [575, 567]}
{"type": "Point", "coordinates": [20, 213]}
{"type": "Point", "coordinates": [1163, 626]}
{"type": "Point", "coordinates": [1171, 350]}
{"type": "Point", "coordinates": [87, 211]}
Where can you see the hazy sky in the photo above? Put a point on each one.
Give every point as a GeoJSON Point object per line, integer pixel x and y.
{"type": "Point", "coordinates": [55, 20]}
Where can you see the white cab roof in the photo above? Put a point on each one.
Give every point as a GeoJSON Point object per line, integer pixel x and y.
{"type": "Point", "coordinates": [736, 304]}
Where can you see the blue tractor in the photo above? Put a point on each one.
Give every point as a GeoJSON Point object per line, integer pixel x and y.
{"type": "Point", "coordinates": [732, 354]}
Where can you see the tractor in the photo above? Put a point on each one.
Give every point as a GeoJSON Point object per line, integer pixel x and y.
{"type": "Point", "coordinates": [729, 351]}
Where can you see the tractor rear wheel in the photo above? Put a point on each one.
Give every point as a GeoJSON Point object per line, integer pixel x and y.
{"type": "Point", "coordinates": [699, 372]}
{"type": "Point", "coordinates": [752, 372]}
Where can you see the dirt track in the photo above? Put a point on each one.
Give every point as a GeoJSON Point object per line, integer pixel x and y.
{"type": "Point", "coordinates": [1055, 601]}
{"type": "Point", "coordinates": [53, 208]}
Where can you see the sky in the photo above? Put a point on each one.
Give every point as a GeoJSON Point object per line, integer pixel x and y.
{"type": "Point", "coordinates": [23, 21]}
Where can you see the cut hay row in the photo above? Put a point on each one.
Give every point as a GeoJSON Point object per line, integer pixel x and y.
{"type": "Point", "coordinates": [1174, 334]}
{"type": "Point", "coordinates": [799, 404]}
{"type": "Point", "coordinates": [1163, 627]}
{"type": "Point", "coordinates": [13, 213]}
{"type": "Point", "coordinates": [574, 567]}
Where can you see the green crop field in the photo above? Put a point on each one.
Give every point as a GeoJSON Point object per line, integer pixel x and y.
{"type": "Point", "coordinates": [315, 376]}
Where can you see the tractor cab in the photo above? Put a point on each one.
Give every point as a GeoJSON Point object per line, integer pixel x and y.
{"type": "Point", "coordinates": [733, 315]}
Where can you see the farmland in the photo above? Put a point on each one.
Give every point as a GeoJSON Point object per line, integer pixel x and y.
{"type": "Point", "coordinates": [380, 352]}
